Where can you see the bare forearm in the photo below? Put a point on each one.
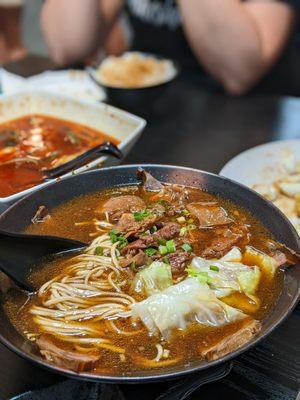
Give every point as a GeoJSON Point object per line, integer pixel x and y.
{"type": "Point", "coordinates": [230, 40]}
{"type": "Point", "coordinates": [71, 28]}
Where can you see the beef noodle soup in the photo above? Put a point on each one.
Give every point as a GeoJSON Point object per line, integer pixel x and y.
{"type": "Point", "coordinates": [171, 275]}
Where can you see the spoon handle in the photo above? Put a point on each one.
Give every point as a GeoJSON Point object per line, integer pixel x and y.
{"type": "Point", "coordinates": [20, 252]}
{"type": "Point", "coordinates": [88, 156]}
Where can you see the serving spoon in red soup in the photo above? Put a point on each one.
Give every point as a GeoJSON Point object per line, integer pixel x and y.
{"type": "Point", "coordinates": [31, 146]}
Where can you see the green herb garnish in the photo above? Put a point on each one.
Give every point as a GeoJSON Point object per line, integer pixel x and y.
{"type": "Point", "coordinates": [150, 251]}
{"type": "Point", "coordinates": [161, 241]}
{"type": "Point", "coordinates": [202, 277]}
{"type": "Point", "coordinates": [115, 237]}
{"type": "Point", "coordinates": [181, 219]}
{"type": "Point", "coordinates": [214, 268]}
{"type": "Point", "coordinates": [187, 247]}
{"type": "Point", "coordinates": [183, 231]}
{"type": "Point", "coordinates": [99, 251]}
{"type": "Point", "coordinates": [153, 229]}
{"type": "Point", "coordinates": [163, 250]}
{"type": "Point", "coordinates": [140, 215]}
{"type": "Point", "coordinates": [170, 245]}
{"type": "Point", "coordinates": [166, 260]}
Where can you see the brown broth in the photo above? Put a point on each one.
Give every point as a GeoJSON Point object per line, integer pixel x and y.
{"type": "Point", "coordinates": [142, 345]}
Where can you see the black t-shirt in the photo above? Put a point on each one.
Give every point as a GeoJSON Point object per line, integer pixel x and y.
{"type": "Point", "coordinates": [157, 29]}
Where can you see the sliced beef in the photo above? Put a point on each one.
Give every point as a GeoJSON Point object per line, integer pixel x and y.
{"type": "Point", "coordinates": [116, 206]}
{"type": "Point", "coordinates": [280, 258]}
{"type": "Point", "coordinates": [232, 341]}
{"type": "Point", "coordinates": [150, 184]}
{"type": "Point", "coordinates": [167, 232]}
{"type": "Point", "coordinates": [285, 255]}
{"type": "Point", "coordinates": [68, 359]}
{"type": "Point", "coordinates": [225, 239]}
{"type": "Point", "coordinates": [139, 260]}
{"type": "Point", "coordinates": [178, 261]}
{"type": "Point", "coordinates": [209, 214]}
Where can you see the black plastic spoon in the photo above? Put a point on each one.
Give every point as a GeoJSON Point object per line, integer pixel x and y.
{"type": "Point", "coordinates": [90, 155]}
{"type": "Point", "coordinates": [19, 252]}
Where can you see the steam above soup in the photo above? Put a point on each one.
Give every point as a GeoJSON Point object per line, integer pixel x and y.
{"type": "Point", "coordinates": [172, 275]}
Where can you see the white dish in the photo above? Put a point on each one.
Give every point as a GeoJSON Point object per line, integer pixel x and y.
{"type": "Point", "coordinates": [116, 123]}
{"type": "Point", "coordinates": [74, 83]}
{"type": "Point", "coordinates": [261, 164]}
{"type": "Point", "coordinates": [164, 70]}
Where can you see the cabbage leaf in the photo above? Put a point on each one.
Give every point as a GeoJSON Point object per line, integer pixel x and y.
{"type": "Point", "coordinates": [179, 305]}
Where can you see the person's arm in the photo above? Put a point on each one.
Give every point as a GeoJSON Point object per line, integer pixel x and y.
{"type": "Point", "coordinates": [237, 42]}
{"type": "Point", "coordinates": [74, 29]}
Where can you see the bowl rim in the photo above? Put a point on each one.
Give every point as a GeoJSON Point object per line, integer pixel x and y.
{"type": "Point", "coordinates": [184, 370]}
{"type": "Point", "coordinates": [177, 69]}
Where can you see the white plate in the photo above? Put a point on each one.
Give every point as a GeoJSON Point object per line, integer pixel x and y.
{"type": "Point", "coordinates": [261, 164]}
{"type": "Point", "coordinates": [116, 123]}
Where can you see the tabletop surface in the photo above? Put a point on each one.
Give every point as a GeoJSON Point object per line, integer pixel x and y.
{"type": "Point", "coordinates": [193, 127]}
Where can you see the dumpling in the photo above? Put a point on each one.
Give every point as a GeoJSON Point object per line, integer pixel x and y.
{"type": "Point", "coordinates": [152, 279]}
{"type": "Point", "coordinates": [225, 277]}
{"type": "Point", "coordinates": [179, 305]}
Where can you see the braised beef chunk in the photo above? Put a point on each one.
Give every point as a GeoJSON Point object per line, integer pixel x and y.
{"type": "Point", "coordinates": [232, 341]}
{"type": "Point", "coordinates": [137, 260]}
{"type": "Point", "coordinates": [150, 184]}
{"type": "Point", "coordinates": [128, 224]}
{"type": "Point", "coordinates": [68, 359]}
{"type": "Point", "coordinates": [178, 261]}
{"type": "Point", "coordinates": [167, 232]}
{"type": "Point", "coordinates": [209, 214]}
{"type": "Point", "coordinates": [116, 206]}
{"type": "Point", "coordinates": [225, 239]}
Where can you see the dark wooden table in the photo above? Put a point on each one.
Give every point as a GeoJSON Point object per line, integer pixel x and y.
{"type": "Point", "coordinates": [191, 126]}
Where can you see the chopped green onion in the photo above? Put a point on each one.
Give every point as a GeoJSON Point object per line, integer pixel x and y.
{"type": "Point", "coordinates": [187, 247]}
{"type": "Point", "coordinates": [170, 245]}
{"type": "Point", "coordinates": [123, 242]}
{"type": "Point", "coordinates": [214, 268]}
{"type": "Point", "coordinates": [181, 220]}
{"type": "Point", "coordinates": [190, 221]}
{"type": "Point", "coordinates": [161, 241]}
{"type": "Point", "coordinates": [183, 231]}
{"type": "Point", "coordinates": [201, 276]}
{"type": "Point", "coordinates": [153, 229]}
{"type": "Point", "coordinates": [185, 212]}
{"type": "Point", "coordinates": [163, 250]}
{"type": "Point", "coordinates": [191, 226]}
{"type": "Point", "coordinates": [115, 237]}
{"type": "Point", "coordinates": [166, 260]}
{"type": "Point", "coordinates": [150, 251]}
{"type": "Point", "coordinates": [99, 251]}
{"type": "Point", "coordinates": [140, 215]}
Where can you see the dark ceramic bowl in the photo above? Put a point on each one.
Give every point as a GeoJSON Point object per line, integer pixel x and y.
{"type": "Point", "coordinates": [140, 99]}
{"type": "Point", "coordinates": [18, 217]}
